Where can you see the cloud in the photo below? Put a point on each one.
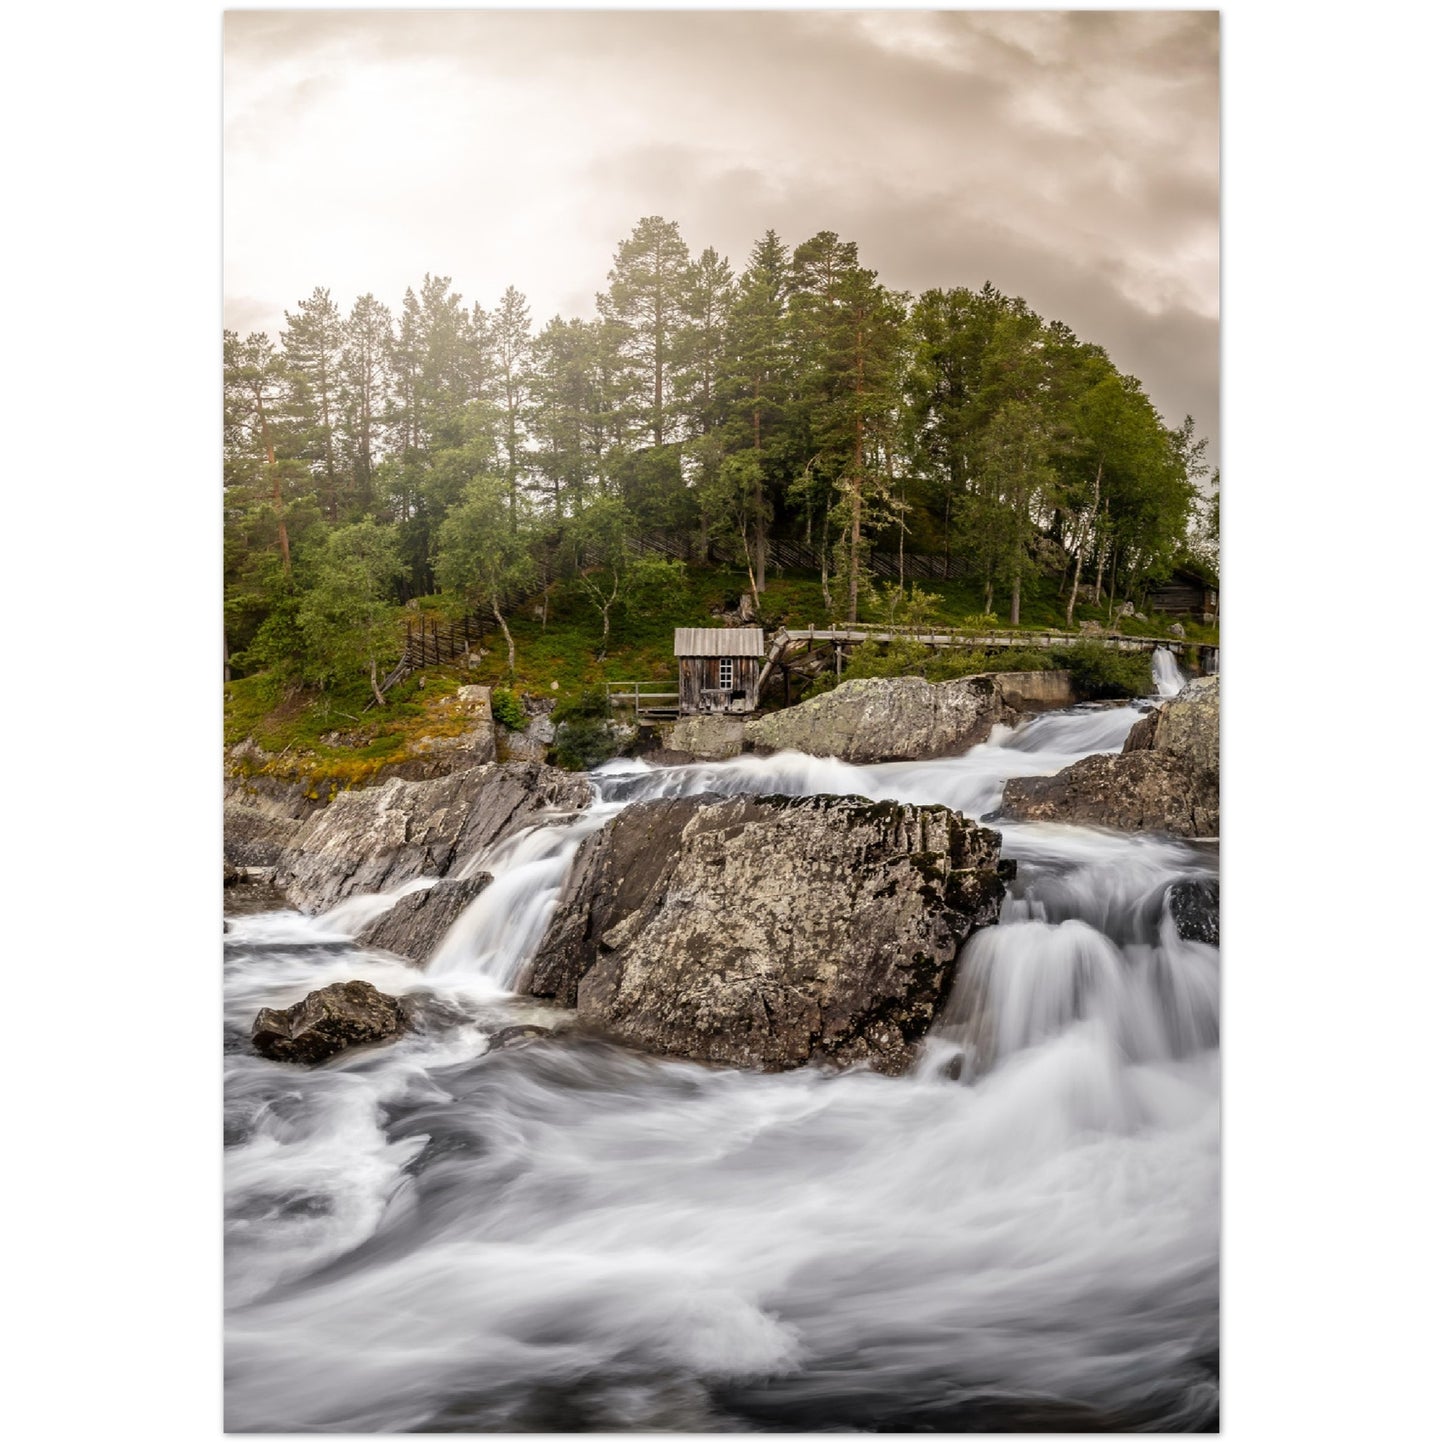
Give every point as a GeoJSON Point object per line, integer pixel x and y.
{"type": "Point", "coordinates": [1072, 158]}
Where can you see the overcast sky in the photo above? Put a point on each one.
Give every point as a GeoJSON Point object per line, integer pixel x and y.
{"type": "Point", "coordinates": [1071, 158]}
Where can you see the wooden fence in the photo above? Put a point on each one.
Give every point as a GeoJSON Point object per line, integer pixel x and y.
{"type": "Point", "coordinates": [916, 566]}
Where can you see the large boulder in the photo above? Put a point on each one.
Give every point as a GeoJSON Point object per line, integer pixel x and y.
{"type": "Point", "coordinates": [254, 837]}
{"type": "Point", "coordinates": [709, 736]}
{"type": "Point", "coordinates": [327, 1022]}
{"type": "Point", "coordinates": [889, 719]}
{"type": "Point", "coordinates": [533, 742]}
{"type": "Point", "coordinates": [769, 932]}
{"type": "Point", "coordinates": [1166, 780]}
{"type": "Point", "coordinates": [881, 719]}
{"type": "Point", "coordinates": [415, 924]}
{"type": "Point", "coordinates": [375, 839]}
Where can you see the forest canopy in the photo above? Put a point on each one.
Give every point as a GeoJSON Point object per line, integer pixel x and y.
{"type": "Point", "coordinates": [372, 456]}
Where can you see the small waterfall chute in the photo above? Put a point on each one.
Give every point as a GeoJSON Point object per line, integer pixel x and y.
{"type": "Point", "coordinates": [1168, 680]}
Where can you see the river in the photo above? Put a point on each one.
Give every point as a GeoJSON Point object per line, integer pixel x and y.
{"type": "Point", "coordinates": [1021, 1234]}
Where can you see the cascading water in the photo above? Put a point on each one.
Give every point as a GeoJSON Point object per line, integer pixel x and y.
{"type": "Point", "coordinates": [1168, 680]}
{"type": "Point", "coordinates": [1022, 1234]}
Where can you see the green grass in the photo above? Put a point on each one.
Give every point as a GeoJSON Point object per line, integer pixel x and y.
{"type": "Point", "coordinates": [333, 739]}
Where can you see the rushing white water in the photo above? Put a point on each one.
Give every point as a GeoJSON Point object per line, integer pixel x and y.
{"type": "Point", "coordinates": [1167, 678]}
{"type": "Point", "coordinates": [1021, 1234]}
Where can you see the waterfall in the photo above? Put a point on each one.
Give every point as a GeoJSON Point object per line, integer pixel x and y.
{"type": "Point", "coordinates": [1023, 1233]}
{"type": "Point", "coordinates": [1167, 677]}
{"type": "Point", "coordinates": [503, 927]}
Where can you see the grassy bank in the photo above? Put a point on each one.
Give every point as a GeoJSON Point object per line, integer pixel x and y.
{"type": "Point", "coordinates": [341, 738]}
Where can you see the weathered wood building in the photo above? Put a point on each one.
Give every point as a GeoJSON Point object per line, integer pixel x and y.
{"type": "Point", "coordinates": [1185, 594]}
{"type": "Point", "coordinates": [717, 668]}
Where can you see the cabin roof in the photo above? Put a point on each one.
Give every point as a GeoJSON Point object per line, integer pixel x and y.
{"type": "Point", "coordinates": [717, 642]}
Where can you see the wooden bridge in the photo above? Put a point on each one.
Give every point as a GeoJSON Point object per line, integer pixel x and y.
{"type": "Point", "coordinates": [804, 640]}
{"type": "Point", "coordinates": [657, 701]}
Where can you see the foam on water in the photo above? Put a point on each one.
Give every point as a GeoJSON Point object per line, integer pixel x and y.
{"type": "Point", "coordinates": [1023, 1232]}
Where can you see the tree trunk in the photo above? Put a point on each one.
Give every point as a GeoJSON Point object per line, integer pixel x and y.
{"type": "Point", "coordinates": [275, 488]}
{"type": "Point", "coordinates": [760, 535]}
{"type": "Point", "coordinates": [1079, 553]}
{"type": "Point", "coordinates": [823, 566]}
{"type": "Point", "coordinates": [1013, 606]}
{"type": "Point", "coordinates": [1099, 567]}
{"type": "Point", "coordinates": [507, 633]}
{"type": "Point", "coordinates": [988, 595]}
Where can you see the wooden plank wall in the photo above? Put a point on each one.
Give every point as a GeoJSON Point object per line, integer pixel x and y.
{"type": "Point", "coordinates": [697, 677]}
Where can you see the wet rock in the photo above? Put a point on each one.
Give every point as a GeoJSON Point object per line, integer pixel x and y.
{"type": "Point", "coordinates": [414, 926]}
{"type": "Point", "coordinates": [1137, 792]}
{"type": "Point", "coordinates": [769, 932]}
{"type": "Point", "coordinates": [1166, 780]}
{"type": "Point", "coordinates": [327, 1022]}
{"type": "Point", "coordinates": [888, 719]}
{"type": "Point", "coordinates": [254, 837]}
{"type": "Point", "coordinates": [516, 1035]}
{"type": "Point", "coordinates": [1188, 729]}
{"type": "Point", "coordinates": [883, 719]}
{"type": "Point", "coordinates": [373, 839]}
{"type": "Point", "coordinates": [533, 742]}
{"type": "Point", "coordinates": [1194, 906]}
{"type": "Point", "coordinates": [707, 736]}
{"type": "Point", "coordinates": [1026, 692]}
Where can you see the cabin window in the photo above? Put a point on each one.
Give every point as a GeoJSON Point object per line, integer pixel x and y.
{"type": "Point", "coordinates": [725, 673]}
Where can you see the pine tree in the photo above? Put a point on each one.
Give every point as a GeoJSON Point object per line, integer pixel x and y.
{"type": "Point", "coordinates": [754, 387]}
{"type": "Point", "coordinates": [707, 298]}
{"type": "Point", "coordinates": [366, 346]}
{"type": "Point", "coordinates": [645, 296]}
{"type": "Point", "coordinates": [511, 347]}
{"type": "Point", "coordinates": [312, 342]}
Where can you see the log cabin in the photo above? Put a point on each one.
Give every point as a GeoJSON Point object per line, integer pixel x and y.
{"type": "Point", "coordinates": [717, 668]}
{"type": "Point", "coordinates": [1185, 594]}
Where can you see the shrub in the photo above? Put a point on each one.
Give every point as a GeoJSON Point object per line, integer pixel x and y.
{"type": "Point", "coordinates": [586, 737]}
{"type": "Point", "coordinates": [589, 704]}
{"type": "Point", "coordinates": [1102, 672]}
{"type": "Point", "coordinates": [507, 709]}
{"type": "Point", "coordinates": [584, 744]}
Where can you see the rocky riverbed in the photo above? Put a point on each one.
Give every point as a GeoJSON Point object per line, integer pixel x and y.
{"type": "Point", "coordinates": [773, 1092]}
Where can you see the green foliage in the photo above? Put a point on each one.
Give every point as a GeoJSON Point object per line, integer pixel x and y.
{"type": "Point", "coordinates": [1104, 672]}
{"type": "Point", "coordinates": [590, 704]}
{"type": "Point", "coordinates": [347, 619]}
{"type": "Point", "coordinates": [481, 554]}
{"type": "Point", "coordinates": [586, 743]}
{"type": "Point", "coordinates": [507, 709]}
{"type": "Point", "coordinates": [801, 397]}
{"type": "Point", "coordinates": [586, 736]}
{"type": "Point", "coordinates": [656, 587]}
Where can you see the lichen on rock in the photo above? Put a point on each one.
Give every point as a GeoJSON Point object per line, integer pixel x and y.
{"type": "Point", "coordinates": [770, 932]}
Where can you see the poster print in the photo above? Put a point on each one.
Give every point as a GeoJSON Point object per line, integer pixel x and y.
{"type": "Point", "coordinates": [721, 610]}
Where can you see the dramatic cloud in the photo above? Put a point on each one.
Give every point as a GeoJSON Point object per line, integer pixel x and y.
{"type": "Point", "coordinates": [1071, 158]}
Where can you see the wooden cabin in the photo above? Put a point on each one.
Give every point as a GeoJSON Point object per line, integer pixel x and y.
{"type": "Point", "coordinates": [1185, 594]}
{"type": "Point", "coordinates": [717, 668]}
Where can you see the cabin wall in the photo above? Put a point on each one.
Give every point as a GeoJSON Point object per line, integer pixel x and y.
{"type": "Point", "coordinates": [1184, 599]}
{"type": "Point", "coordinates": [699, 685]}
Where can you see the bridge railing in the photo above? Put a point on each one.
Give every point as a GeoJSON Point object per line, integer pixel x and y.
{"type": "Point", "coordinates": [641, 696]}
